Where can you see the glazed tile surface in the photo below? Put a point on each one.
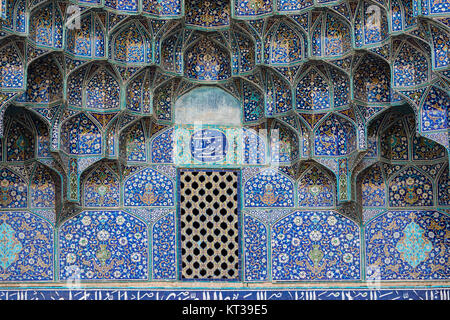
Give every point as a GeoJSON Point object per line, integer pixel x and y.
{"type": "Point", "coordinates": [258, 141]}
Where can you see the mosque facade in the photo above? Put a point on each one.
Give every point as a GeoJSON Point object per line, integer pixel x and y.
{"type": "Point", "coordinates": [270, 144]}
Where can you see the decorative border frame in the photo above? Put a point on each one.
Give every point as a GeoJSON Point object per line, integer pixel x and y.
{"type": "Point", "coordinates": [394, 293]}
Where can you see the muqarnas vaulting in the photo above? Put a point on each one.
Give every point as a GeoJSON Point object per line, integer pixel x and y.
{"type": "Point", "coordinates": [241, 140]}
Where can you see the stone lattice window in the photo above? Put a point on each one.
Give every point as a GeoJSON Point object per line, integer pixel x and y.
{"type": "Point", "coordinates": [209, 224]}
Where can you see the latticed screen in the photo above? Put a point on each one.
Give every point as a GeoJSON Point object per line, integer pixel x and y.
{"type": "Point", "coordinates": [209, 224]}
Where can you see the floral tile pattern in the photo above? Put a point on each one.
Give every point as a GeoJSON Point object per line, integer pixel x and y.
{"type": "Point", "coordinates": [318, 245]}
{"type": "Point", "coordinates": [103, 245]}
{"type": "Point", "coordinates": [408, 245]}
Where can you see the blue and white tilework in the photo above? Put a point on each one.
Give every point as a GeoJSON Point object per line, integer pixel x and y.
{"type": "Point", "coordinates": [103, 245]}
{"type": "Point", "coordinates": [320, 245]}
{"type": "Point", "coordinates": [335, 122]}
